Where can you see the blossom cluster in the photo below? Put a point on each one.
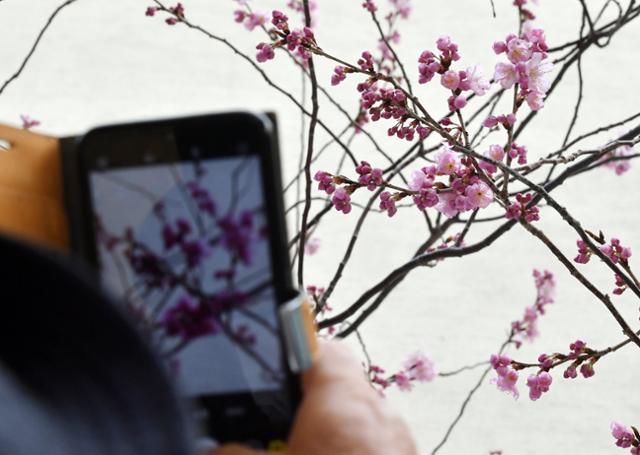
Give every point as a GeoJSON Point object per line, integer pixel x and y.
{"type": "Point", "coordinates": [460, 188]}
{"type": "Point", "coordinates": [614, 251]}
{"type": "Point", "coordinates": [418, 367]}
{"type": "Point", "coordinates": [626, 437]}
{"type": "Point", "coordinates": [177, 13]}
{"type": "Point", "coordinates": [580, 357]}
{"type": "Point", "coordinates": [520, 210]}
{"type": "Point", "coordinates": [469, 80]}
{"type": "Point", "coordinates": [527, 327]}
{"type": "Point", "coordinates": [299, 42]}
{"type": "Point", "coordinates": [528, 66]}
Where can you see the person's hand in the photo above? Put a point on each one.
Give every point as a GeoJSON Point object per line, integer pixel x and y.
{"type": "Point", "coordinates": [340, 414]}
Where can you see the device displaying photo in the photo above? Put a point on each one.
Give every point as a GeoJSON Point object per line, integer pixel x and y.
{"type": "Point", "coordinates": [188, 230]}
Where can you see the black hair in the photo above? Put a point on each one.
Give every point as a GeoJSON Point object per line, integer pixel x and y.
{"type": "Point", "coordinates": [75, 376]}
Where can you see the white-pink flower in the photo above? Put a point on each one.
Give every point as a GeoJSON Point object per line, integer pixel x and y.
{"type": "Point", "coordinates": [420, 180]}
{"type": "Point", "coordinates": [447, 204]}
{"type": "Point", "coordinates": [479, 195]}
{"type": "Point", "coordinates": [535, 100]}
{"type": "Point", "coordinates": [477, 82]}
{"type": "Point", "coordinates": [420, 367]}
{"type": "Point", "coordinates": [450, 80]}
{"type": "Point", "coordinates": [538, 73]}
{"type": "Point", "coordinates": [518, 50]}
{"type": "Point", "coordinates": [447, 160]}
{"type": "Point", "coordinates": [506, 74]}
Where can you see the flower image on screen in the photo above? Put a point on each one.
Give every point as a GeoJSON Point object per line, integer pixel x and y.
{"type": "Point", "coordinates": [185, 244]}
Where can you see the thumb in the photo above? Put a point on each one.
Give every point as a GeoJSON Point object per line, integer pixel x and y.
{"type": "Point", "coordinates": [236, 449]}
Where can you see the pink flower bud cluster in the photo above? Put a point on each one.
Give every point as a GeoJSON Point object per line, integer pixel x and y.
{"type": "Point", "coordinates": [584, 252]}
{"type": "Point", "coordinates": [250, 19]}
{"type": "Point", "coordinates": [496, 153]}
{"type": "Point", "coordinates": [626, 437]}
{"type": "Point", "coordinates": [297, 41]}
{"type": "Point", "coordinates": [365, 62]}
{"type": "Point", "coordinates": [519, 152]}
{"type": "Point", "coordinates": [518, 210]}
{"type": "Point", "coordinates": [389, 103]}
{"type": "Point", "coordinates": [418, 367]}
{"type": "Point", "coordinates": [507, 376]}
{"type": "Point", "coordinates": [528, 66]}
{"type": "Point", "coordinates": [538, 384]}
{"type": "Point", "coordinates": [458, 82]}
{"type": "Point", "coordinates": [527, 327]}
{"type": "Point", "coordinates": [401, 8]}
{"type": "Point", "coordinates": [526, 14]}
{"type": "Point", "coordinates": [368, 176]}
{"type": "Point", "coordinates": [370, 6]}
{"type": "Point", "coordinates": [507, 121]}
{"type": "Point", "coordinates": [177, 11]}
{"type": "Point", "coordinates": [614, 251]}
{"type": "Point", "coordinates": [577, 349]}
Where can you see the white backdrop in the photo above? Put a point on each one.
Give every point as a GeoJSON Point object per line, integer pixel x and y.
{"type": "Point", "coordinates": [104, 62]}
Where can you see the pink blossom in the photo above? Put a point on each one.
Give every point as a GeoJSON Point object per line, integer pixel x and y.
{"type": "Point", "coordinates": [280, 20]}
{"type": "Point", "coordinates": [338, 75]}
{"type": "Point", "coordinates": [496, 153]}
{"type": "Point", "coordinates": [370, 6]}
{"type": "Point", "coordinates": [255, 20]}
{"type": "Point", "coordinates": [265, 52]}
{"type": "Point", "coordinates": [538, 71]}
{"type": "Point", "coordinates": [538, 384]}
{"type": "Point", "coordinates": [447, 204]}
{"type": "Point", "coordinates": [586, 370]}
{"type": "Point", "coordinates": [325, 182]}
{"type": "Point", "coordinates": [426, 197]}
{"type": "Point", "coordinates": [457, 102]}
{"type": "Point", "coordinates": [312, 246]}
{"type": "Point", "coordinates": [518, 50]}
{"type": "Point", "coordinates": [506, 74]}
{"type": "Point", "coordinates": [477, 82]}
{"type": "Point", "coordinates": [403, 8]}
{"type": "Point", "coordinates": [584, 253]}
{"type": "Point", "coordinates": [450, 80]}
{"type": "Point", "coordinates": [499, 47]}
{"type": "Point", "coordinates": [341, 200]}
{"type": "Point", "coordinates": [519, 209]}
{"type": "Point", "coordinates": [447, 161]}
{"type": "Point", "coordinates": [570, 373]}
{"type": "Point", "coordinates": [369, 177]}
{"type": "Point", "coordinates": [518, 151]}
{"type": "Point", "coordinates": [507, 376]}
{"type": "Point", "coordinates": [490, 122]}
{"type": "Point", "coordinates": [388, 203]}
{"type": "Point", "coordinates": [420, 367]}
{"type": "Point", "coordinates": [420, 179]}
{"type": "Point", "coordinates": [479, 195]}
{"type": "Point", "coordinates": [151, 11]}
{"type": "Point", "coordinates": [623, 435]}
{"type": "Point", "coordinates": [365, 62]}
{"type": "Point", "coordinates": [403, 381]}
{"type": "Point", "coordinates": [615, 251]}
{"type": "Point", "coordinates": [535, 100]}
